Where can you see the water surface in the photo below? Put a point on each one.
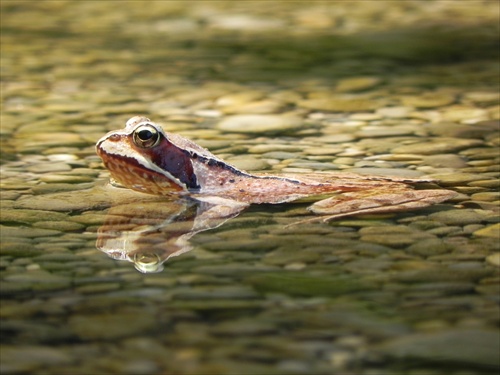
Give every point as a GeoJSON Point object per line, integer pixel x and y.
{"type": "Point", "coordinates": [406, 89]}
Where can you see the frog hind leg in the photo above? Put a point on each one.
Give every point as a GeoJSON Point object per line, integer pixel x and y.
{"type": "Point", "coordinates": [377, 201]}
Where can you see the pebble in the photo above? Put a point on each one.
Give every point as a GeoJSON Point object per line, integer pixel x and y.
{"type": "Point", "coordinates": [430, 247]}
{"type": "Point", "coordinates": [84, 200]}
{"type": "Point", "coordinates": [280, 155]}
{"type": "Point", "coordinates": [366, 116]}
{"type": "Point", "coordinates": [89, 218]}
{"type": "Point", "coordinates": [393, 112]}
{"type": "Point", "coordinates": [49, 167]}
{"type": "Point", "coordinates": [493, 184]}
{"type": "Point", "coordinates": [64, 226]}
{"type": "Point", "coordinates": [40, 141]}
{"type": "Point", "coordinates": [461, 347]}
{"type": "Point", "coordinates": [494, 259]}
{"type": "Point", "coordinates": [98, 288]}
{"type": "Point", "coordinates": [334, 138]}
{"type": "Point", "coordinates": [64, 202]}
{"type": "Point", "coordinates": [437, 146]}
{"type": "Point", "coordinates": [464, 216]}
{"type": "Point", "coordinates": [385, 131]}
{"type": "Point", "coordinates": [344, 161]}
{"type": "Point", "coordinates": [460, 113]}
{"type": "Point", "coordinates": [242, 22]}
{"type": "Point", "coordinates": [313, 166]}
{"type": "Point", "coordinates": [355, 84]}
{"type": "Point", "coordinates": [257, 107]}
{"type": "Point", "coordinates": [338, 104]}
{"type": "Point", "coordinates": [111, 326]}
{"type": "Point", "coordinates": [41, 280]}
{"type": "Point", "coordinates": [31, 358]}
{"type": "Point", "coordinates": [328, 150]}
{"type": "Point", "coordinates": [428, 100]}
{"type": "Point", "coordinates": [454, 179]}
{"type": "Point", "coordinates": [239, 98]}
{"type": "Point", "coordinates": [394, 236]}
{"type": "Point", "coordinates": [18, 249]}
{"type": "Point", "coordinates": [9, 196]}
{"type": "Point", "coordinates": [257, 124]}
{"type": "Point", "coordinates": [272, 147]}
{"type": "Point", "coordinates": [245, 326]}
{"type": "Point", "coordinates": [305, 285]}
{"type": "Point", "coordinates": [492, 231]}
{"type": "Point", "coordinates": [30, 216]}
{"type": "Point", "coordinates": [24, 232]}
{"type": "Point", "coordinates": [54, 187]}
{"type": "Point", "coordinates": [445, 161]}
{"type": "Point", "coordinates": [247, 163]}
{"type": "Point", "coordinates": [65, 179]}
{"type": "Point", "coordinates": [482, 97]}
{"type": "Point", "coordinates": [429, 273]}
{"type": "Point", "coordinates": [209, 113]}
{"type": "Point", "coordinates": [387, 172]}
{"type": "Point", "coordinates": [283, 256]}
{"type": "Point", "coordinates": [478, 130]}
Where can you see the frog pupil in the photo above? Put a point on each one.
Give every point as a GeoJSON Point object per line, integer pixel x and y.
{"type": "Point", "coordinates": [145, 135]}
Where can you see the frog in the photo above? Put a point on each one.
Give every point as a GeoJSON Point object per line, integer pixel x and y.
{"type": "Point", "coordinates": [146, 158]}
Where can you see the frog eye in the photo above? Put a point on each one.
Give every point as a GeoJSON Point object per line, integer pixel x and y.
{"type": "Point", "coordinates": [146, 136]}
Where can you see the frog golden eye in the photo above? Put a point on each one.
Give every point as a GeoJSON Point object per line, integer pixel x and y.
{"type": "Point", "coordinates": [146, 136]}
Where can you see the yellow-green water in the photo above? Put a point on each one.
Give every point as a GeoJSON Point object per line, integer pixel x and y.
{"type": "Point", "coordinates": [393, 88]}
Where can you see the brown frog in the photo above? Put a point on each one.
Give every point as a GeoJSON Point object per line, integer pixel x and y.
{"type": "Point", "coordinates": [145, 158]}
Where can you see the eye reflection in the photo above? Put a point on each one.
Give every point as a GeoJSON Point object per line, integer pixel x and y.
{"type": "Point", "coordinates": [147, 263]}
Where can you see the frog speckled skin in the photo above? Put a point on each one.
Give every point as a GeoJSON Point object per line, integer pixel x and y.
{"type": "Point", "coordinates": [145, 158]}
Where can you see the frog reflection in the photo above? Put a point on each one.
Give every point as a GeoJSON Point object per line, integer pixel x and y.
{"type": "Point", "coordinates": [149, 233]}
{"type": "Point", "coordinates": [145, 158]}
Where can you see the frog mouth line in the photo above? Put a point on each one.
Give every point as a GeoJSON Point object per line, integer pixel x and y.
{"type": "Point", "coordinates": [131, 173]}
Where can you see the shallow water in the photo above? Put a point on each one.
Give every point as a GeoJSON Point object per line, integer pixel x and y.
{"type": "Point", "coordinates": [394, 90]}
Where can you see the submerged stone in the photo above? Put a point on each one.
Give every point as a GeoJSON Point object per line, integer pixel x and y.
{"type": "Point", "coordinates": [471, 347]}
{"type": "Point", "coordinates": [275, 124]}
{"type": "Point", "coordinates": [492, 231]}
{"type": "Point", "coordinates": [305, 284]}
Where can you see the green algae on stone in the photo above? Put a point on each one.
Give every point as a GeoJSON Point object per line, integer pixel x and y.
{"type": "Point", "coordinates": [306, 285]}
{"type": "Point", "coordinates": [13, 247]}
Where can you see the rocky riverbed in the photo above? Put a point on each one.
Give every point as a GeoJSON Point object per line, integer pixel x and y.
{"type": "Point", "coordinates": [407, 89]}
